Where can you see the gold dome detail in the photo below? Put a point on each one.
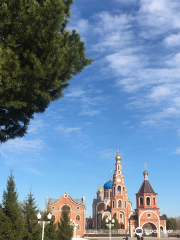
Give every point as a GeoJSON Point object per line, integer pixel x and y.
{"type": "Point", "coordinates": [111, 179]}
{"type": "Point", "coordinates": [125, 190]}
{"type": "Point", "coordinates": [100, 190]}
{"type": "Point", "coordinates": [145, 173]}
{"type": "Point", "coordinates": [118, 157]}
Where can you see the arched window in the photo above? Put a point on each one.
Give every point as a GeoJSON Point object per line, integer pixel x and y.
{"type": "Point", "coordinates": [123, 190]}
{"type": "Point", "coordinates": [154, 201]}
{"type": "Point", "coordinates": [119, 203]}
{"type": "Point", "coordinates": [148, 201]}
{"type": "Point", "coordinates": [77, 218]}
{"type": "Point", "coordinates": [120, 217]}
{"type": "Point", "coordinates": [119, 189]}
{"type": "Point", "coordinates": [78, 228]}
{"type": "Point", "coordinates": [110, 193]}
{"type": "Point", "coordinates": [107, 195]}
{"type": "Point", "coordinates": [118, 167]}
{"type": "Point", "coordinates": [141, 200]}
{"type": "Point", "coordinates": [125, 204]}
{"type": "Point", "coordinates": [113, 204]}
{"type": "Point", "coordinates": [114, 190]}
{"type": "Point", "coordinates": [65, 207]}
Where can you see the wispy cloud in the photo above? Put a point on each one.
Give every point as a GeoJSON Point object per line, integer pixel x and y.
{"type": "Point", "coordinates": [34, 171]}
{"type": "Point", "coordinates": [89, 101]}
{"type": "Point", "coordinates": [36, 126]}
{"type": "Point", "coordinates": [90, 112]}
{"type": "Point", "coordinates": [107, 154]}
{"type": "Point", "coordinates": [22, 145]}
{"type": "Point", "coordinates": [177, 151]}
{"type": "Point", "coordinates": [66, 131]}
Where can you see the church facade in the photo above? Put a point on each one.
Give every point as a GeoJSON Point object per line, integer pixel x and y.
{"type": "Point", "coordinates": [113, 202]}
{"type": "Point", "coordinates": [77, 211]}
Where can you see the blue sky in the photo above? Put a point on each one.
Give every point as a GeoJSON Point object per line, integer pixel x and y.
{"type": "Point", "coordinates": [129, 96]}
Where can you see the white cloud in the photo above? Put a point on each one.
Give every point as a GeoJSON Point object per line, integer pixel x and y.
{"type": "Point", "coordinates": [75, 93]}
{"type": "Point", "coordinates": [34, 171]}
{"type": "Point", "coordinates": [21, 145]}
{"type": "Point", "coordinates": [158, 17]}
{"type": "Point", "coordinates": [107, 154]}
{"type": "Point", "coordinates": [172, 40]}
{"type": "Point", "coordinates": [90, 112]}
{"type": "Point", "coordinates": [126, 1]}
{"type": "Point", "coordinates": [68, 130]}
{"type": "Point", "coordinates": [177, 151]}
{"type": "Point", "coordinates": [36, 126]}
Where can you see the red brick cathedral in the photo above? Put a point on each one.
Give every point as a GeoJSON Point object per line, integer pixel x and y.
{"type": "Point", "coordinates": [113, 201]}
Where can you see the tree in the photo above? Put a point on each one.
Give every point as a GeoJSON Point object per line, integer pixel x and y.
{"type": "Point", "coordinates": [164, 215]}
{"type": "Point", "coordinates": [50, 232]}
{"type": "Point", "coordinates": [103, 223]}
{"type": "Point", "coordinates": [178, 221]}
{"type": "Point", "coordinates": [171, 224]}
{"type": "Point", "coordinates": [38, 57]}
{"type": "Point", "coordinates": [32, 228]}
{"type": "Point", "coordinates": [11, 213]}
{"type": "Point", "coordinates": [116, 224]}
{"type": "Point", "coordinates": [65, 230]}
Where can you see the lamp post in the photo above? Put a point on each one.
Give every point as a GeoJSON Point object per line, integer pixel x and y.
{"type": "Point", "coordinates": [110, 223]}
{"type": "Point", "coordinates": [74, 226]}
{"type": "Point", "coordinates": [43, 223]}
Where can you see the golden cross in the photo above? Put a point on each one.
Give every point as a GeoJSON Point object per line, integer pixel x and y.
{"type": "Point", "coordinates": [117, 149]}
{"type": "Point", "coordinates": [145, 166]}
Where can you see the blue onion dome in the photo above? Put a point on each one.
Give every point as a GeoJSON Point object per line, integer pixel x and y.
{"type": "Point", "coordinates": [108, 185]}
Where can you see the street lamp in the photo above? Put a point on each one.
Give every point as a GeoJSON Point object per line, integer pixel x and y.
{"type": "Point", "coordinates": [74, 226]}
{"type": "Point", "coordinates": [43, 223]}
{"type": "Point", "coordinates": [110, 223]}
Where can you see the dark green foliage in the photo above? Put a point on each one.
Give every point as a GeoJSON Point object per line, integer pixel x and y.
{"type": "Point", "coordinates": [12, 226]}
{"type": "Point", "coordinates": [103, 223]}
{"type": "Point", "coordinates": [165, 216]}
{"type": "Point", "coordinates": [50, 232]}
{"type": "Point", "coordinates": [32, 228]}
{"type": "Point", "coordinates": [38, 57]}
{"type": "Point", "coordinates": [171, 224]}
{"type": "Point", "coordinates": [65, 230]}
{"type": "Point", "coordinates": [116, 224]}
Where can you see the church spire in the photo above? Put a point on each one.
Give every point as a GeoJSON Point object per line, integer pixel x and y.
{"type": "Point", "coordinates": [145, 173]}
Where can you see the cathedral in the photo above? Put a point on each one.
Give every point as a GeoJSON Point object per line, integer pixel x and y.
{"type": "Point", "coordinates": [113, 202]}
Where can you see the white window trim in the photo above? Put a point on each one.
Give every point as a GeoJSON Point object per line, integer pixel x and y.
{"type": "Point", "coordinates": [118, 203]}
{"type": "Point", "coordinates": [140, 200]}
{"type": "Point", "coordinates": [121, 189]}
{"type": "Point", "coordinates": [146, 201]}
{"type": "Point", "coordinates": [79, 217]}
{"type": "Point", "coordinates": [79, 228]}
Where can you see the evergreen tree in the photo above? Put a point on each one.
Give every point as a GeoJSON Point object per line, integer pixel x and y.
{"type": "Point", "coordinates": [38, 57]}
{"type": "Point", "coordinates": [6, 230]}
{"type": "Point", "coordinates": [65, 230]}
{"type": "Point", "coordinates": [11, 212]}
{"type": "Point", "coordinates": [32, 228]}
{"type": "Point", "coordinates": [50, 232]}
{"type": "Point", "coordinates": [116, 224]}
{"type": "Point", "coordinates": [171, 224]}
{"type": "Point", "coordinates": [103, 223]}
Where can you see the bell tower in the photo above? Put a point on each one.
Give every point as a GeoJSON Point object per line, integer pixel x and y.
{"type": "Point", "coordinates": [146, 198]}
{"type": "Point", "coordinates": [119, 207]}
